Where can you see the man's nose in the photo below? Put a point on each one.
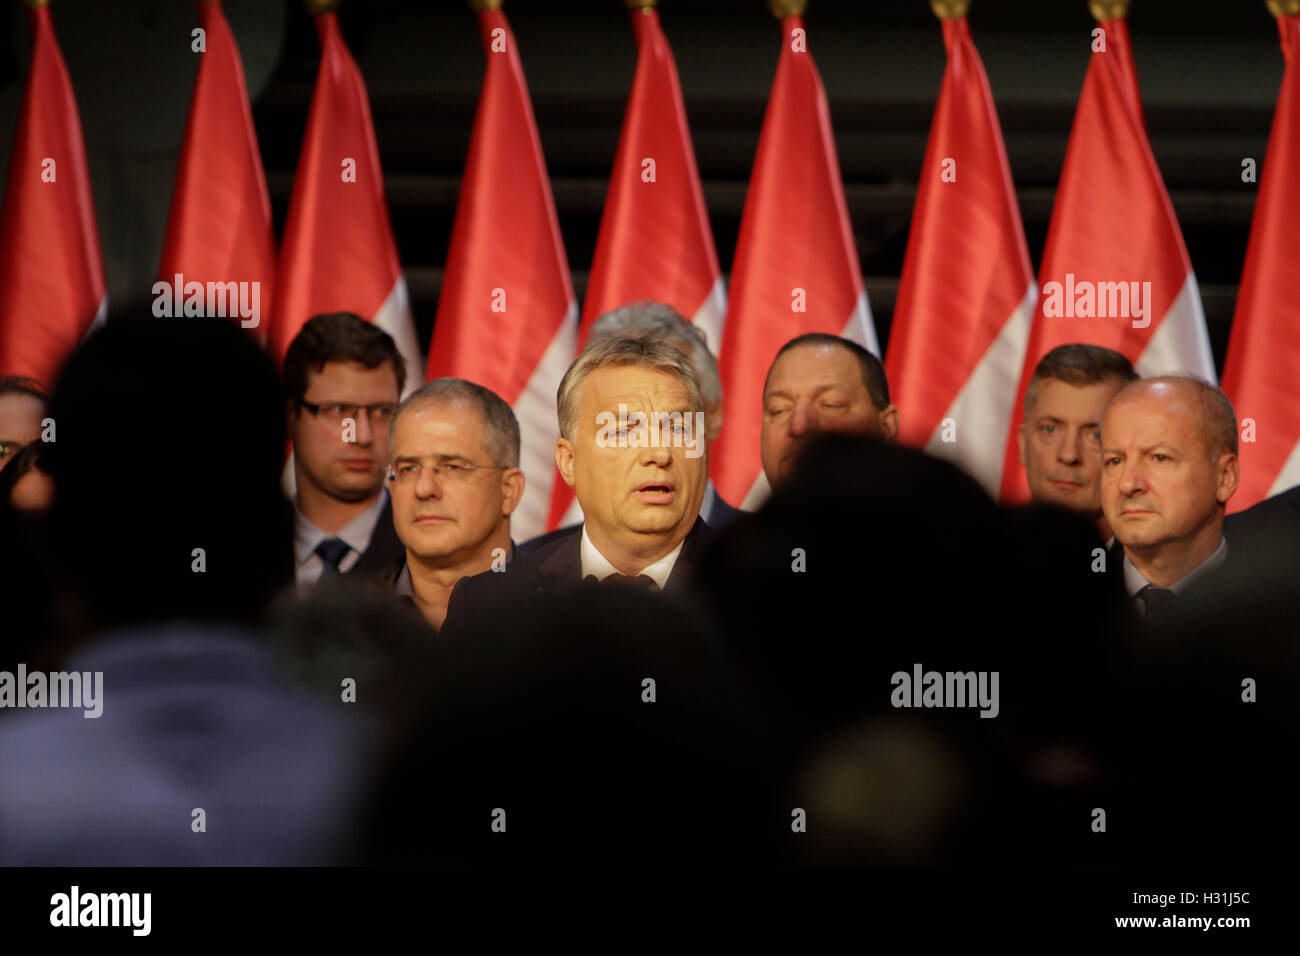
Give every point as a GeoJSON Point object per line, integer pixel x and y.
{"type": "Point", "coordinates": [1069, 450]}
{"type": "Point", "coordinates": [428, 485]}
{"type": "Point", "coordinates": [660, 454]}
{"type": "Point", "coordinates": [1132, 480]}
{"type": "Point", "coordinates": [802, 421]}
{"type": "Point", "coordinates": [364, 435]}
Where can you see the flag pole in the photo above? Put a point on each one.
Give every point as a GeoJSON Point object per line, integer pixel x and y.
{"type": "Point", "coordinates": [950, 9]}
{"type": "Point", "coordinates": [1103, 10]}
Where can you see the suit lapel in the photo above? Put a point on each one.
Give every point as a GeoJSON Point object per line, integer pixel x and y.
{"type": "Point", "coordinates": [564, 564]}
{"type": "Point", "coordinates": [697, 539]}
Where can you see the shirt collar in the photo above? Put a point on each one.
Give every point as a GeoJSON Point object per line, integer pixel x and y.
{"type": "Point", "coordinates": [1135, 582]}
{"type": "Point", "coordinates": [356, 534]}
{"type": "Point", "coordinates": [593, 562]}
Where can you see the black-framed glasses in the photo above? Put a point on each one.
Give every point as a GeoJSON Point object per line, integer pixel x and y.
{"type": "Point", "coordinates": [408, 472]}
{"type": "Point", "coordinates": [380, 412]}
{"type": "Point", "coordinates": [8, 448]}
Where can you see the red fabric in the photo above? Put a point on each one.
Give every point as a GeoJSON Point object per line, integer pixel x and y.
{"type": "Point", "coordinates": [1263, 363]}
{"type": "Point", "coordinates": [51, 274]}
{"type": "Point", "coordinates": [794, 233]}
{"type": "Point", "coordinates": [338, 252]}
{"type": "Point", "coordinates": [219, 229]}
{"type": "Point", "coordinates": [967, 266]}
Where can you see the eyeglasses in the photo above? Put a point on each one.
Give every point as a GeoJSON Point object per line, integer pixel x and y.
{"type": "Point", "coordinates": [408, 472]}
{"type": "Point", "coordinates": [380, 412]}
{"type": "Point", "coordinates": [9, 448]}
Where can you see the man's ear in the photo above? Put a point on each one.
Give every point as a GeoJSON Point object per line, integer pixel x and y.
{"type": "Point", "coordinates": [512, 490]}
{"type": "Point", "coordinates": [1229, 469]}
{"type": "Point", "coordinates": [564, 459]}
{"type": "Point", "coordinates": [889, 423]}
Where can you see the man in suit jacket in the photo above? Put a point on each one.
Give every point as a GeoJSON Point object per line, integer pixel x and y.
{"type": "Point", "coordinates": [343, 377]}
{"type": "Point", "coordinates": [1169, 465]}
{"type": "Point", "coordinates": [633, 447]}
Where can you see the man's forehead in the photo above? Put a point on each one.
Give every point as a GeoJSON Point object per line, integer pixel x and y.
{"type": "Point", "coordinates": [814, 366]}
{"type": "Point", "coordinates": [1055, 394]}
{"type": "Point", "coordinates": [440, 422]}
{"type": "Point", "coordinates": [1163, 418]}
{"type": "Point", "coordinates": [630, 384]}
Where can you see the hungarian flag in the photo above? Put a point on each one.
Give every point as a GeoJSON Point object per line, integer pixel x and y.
{"type": "Point", "coordinates": [796, 268]}
{"type": "Point", "coordinates": [967, 294]}
{"type": "Point", "coordinates": [1115, 271]}
{"type": "Point", "coordinates": [220, 225]}
{"type": "Point", "coordinates": [507, 318]}
{"type": "Point", "coordinates": [1263, 363]}
{"type": "Point", "coordinates": [655, 241]}
{"type": "Point", "coordinates": [338, 252]}
{"type": "Point", "coordinates": [51, 275]}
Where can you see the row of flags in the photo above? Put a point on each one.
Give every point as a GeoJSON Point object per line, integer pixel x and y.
{"type": "Point", "coordinates": [969, 323]}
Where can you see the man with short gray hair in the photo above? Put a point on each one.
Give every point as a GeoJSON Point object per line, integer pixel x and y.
{"type": "Point", "coordinates": [633, 446]}
{"type": "Point", "coordinates": [1168, 467]}
{"type": "Point", "coordinates": [454, 482]}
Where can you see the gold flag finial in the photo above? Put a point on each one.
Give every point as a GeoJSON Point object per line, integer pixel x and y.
{"type": "Point", "coordinates": [949, 9]}
{"type": "Point", "coordinates": [37, 4]}
{"type": "Point", "coordinates": [317, 7]}
{"type": "Point", "coordinates": [1283, 8]}
{"type": "Point", "coordinates": [786, 8]}
{"type": "Point", "coordinates": [477, 5]}
{"type": "Point", "coordinates": [641, 4]}
{"type": "Point", "coordinates": [1108, 9]}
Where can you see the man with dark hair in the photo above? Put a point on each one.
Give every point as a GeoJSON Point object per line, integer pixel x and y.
{"type": "Point", "coordinates": [22, 407]}
{"type": "Point", "coordinates": [195, 751]}
{"type": "Point", "coordinates": [454, 481]}
{"type": "Point", "coordinates": [821, 383]}
{"type": "Point", "coordinates": [1060, 436]}
{"type": "Point", "coordinates": [343, 379]}
{"type": "Point", "coordinates": [1168, 467]}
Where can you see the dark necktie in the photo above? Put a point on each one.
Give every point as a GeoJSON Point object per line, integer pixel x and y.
{"type": "Point", "coordinates": [1157, 603]}
{"type": "Point", "coordinates": [635, 580]}
{"type": "Point", "coordinates": [331, 552]}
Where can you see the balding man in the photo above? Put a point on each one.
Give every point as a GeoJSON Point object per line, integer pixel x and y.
{"type": "Point", "coordinates": [1169, 466]}
{"type": "Point", "coordinates": [821, 383]}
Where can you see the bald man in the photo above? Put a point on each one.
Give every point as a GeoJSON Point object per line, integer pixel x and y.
{"type": "Point", "coordinates": [1168, 467]}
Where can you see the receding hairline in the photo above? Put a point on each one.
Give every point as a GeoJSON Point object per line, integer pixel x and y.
{"type": "Point", "coordinates": [1216, 428]}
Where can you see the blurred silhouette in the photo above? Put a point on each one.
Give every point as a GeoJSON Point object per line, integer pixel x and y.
{"type": "Point", "coordinates": [172, 534]}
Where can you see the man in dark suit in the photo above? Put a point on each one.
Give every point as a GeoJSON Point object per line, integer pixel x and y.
{"type": "Point", "coordinates": [343, 378]}
{"type": "Point", "coordinates": [1168, 467]}
{"type": "Point", "coordinates": [1266, 537]}
{"type": "Point", "coordinates": [633, 446]}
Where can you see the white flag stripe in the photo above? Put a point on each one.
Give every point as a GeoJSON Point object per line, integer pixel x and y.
{"type": "Point", "coordinates": [982, 410]}
{"type": "Point", "coordinates": [1289, 476]}
{"type": "Point", "coordinates": [394, 317]}
{"type": "Point", "coordinates": [861, 327]}
{"type": "Point", "coordinates": [711, 314]}
{"type": "Point", "coordinates": [539, 427]}
{"type": "Point", "coordinates": [1180, 342]}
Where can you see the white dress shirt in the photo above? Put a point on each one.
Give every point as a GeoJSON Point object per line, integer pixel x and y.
{"type": "Point", "coordinates": [593, 562]}
{"type": "Point", "coordinates": [356, 534]}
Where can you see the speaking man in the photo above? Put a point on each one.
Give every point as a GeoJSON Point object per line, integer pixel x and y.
{"type": "Point", "coordinates": [634, 449]}
{"type": "Point", "coordinates": [343, 377]}
{"type": "Point", "coordinates": [1060, 437]}
{"type": "Point", "coordinates": [1168, 467]}
{"type": "Point", "coordinates": [454, 481]}
{"type": "Point", "coordinates": [821, 383]}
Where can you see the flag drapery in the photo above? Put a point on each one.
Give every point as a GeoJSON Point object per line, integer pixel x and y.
{"type": "Point", "coordinates": [507, 317]}
{"type": "Point", "coordinates": [219, 228]}
{"type": "Point", "coordinates": [961, 322]}
{"type": "Point", "coordinates": [338, 253]}
{"type": "Point", "coordinates": [655, 241]}
{"type": "Point", "coordinates": [1263, 362]}
{"type": "Point", "coordinates": [51, 274]}
{"type": "Point", "coordinates": [1115, 271]}
{"type": "Point", "coordinates": [796, 267]}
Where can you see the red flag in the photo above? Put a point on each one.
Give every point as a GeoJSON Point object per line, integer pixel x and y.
{"type": "Point", "coordinates": [655, 241]}
{"type": "Point", "coordinates": [1263, 361]}
{"type": "Point", "coordinates": [796, 268]}
{"type": "Point", "coordinates": [338, 252]}
{"type": "Point", "coordinates": [507, 318]}
{"type": "Point", "coordinates": [219, 229]}
{"type": "Point", "coordinates": [967, 294]}
{"type": "Point", "coordinates": [51, 275]}
{"type": "Point", "coordinates": [1115, 271]}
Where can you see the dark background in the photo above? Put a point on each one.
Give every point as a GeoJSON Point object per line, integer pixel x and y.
{"type": "Point", "coordinates": [1209, 73]}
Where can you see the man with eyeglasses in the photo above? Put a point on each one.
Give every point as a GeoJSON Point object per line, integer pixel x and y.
{"type": "Point", "coordinates": [455, 480]}
{"type": "Point", "coordinates": [22, 407]}
{"type": "Point", "coordinates": [343, 378]}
